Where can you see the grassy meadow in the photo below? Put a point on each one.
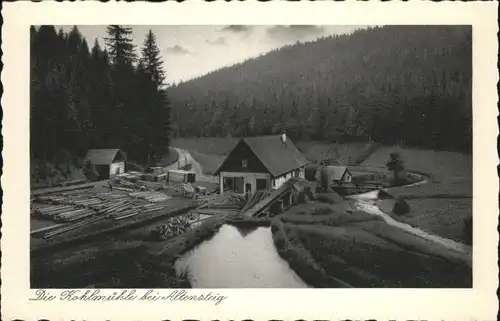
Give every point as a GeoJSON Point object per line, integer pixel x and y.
{"type": "Point", "coordinates": [450, 173]}
{"type": "Point", "coordinates": [328, 246]}
{"type": "Point", "coordinates": [441, 205]}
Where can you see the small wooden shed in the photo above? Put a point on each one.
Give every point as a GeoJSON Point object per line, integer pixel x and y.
{"type": "Point", "coordinates": [107, 162]}
{"type": "Point", "coordinates": [337, 175]}
{"type": "Point", "coordinates": [178, 175]}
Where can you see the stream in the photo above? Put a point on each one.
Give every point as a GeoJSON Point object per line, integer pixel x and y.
{"type": "Point", "coordinates": [238, 258]}
{"type": "Point", "coordinates": [366, 203]}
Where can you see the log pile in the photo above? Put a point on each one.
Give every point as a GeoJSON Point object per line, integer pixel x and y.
{"type": "Point", "coordinates": [129, 210]}
{"type": "Point", "coordinates": [173, 227]}
{"type": "Point", "coordinates": [152, 197]}
{"type": "Point", "coordinates": [73, 206]}
{"type": "Point", "coordinates": [126, 184]}
{"type": "Point", "coordinates": [60, 229]}
{"type": "Point", "coordinates": [64, 213]}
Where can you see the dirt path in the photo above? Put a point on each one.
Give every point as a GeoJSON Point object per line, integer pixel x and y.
{"type": "Point", "coordinates": [186, 158]}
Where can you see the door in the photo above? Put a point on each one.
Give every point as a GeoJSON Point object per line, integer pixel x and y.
{"type": "Point", "coordinates": [248, 189]}
{"type": "Point", "coordinates": [238, 185]}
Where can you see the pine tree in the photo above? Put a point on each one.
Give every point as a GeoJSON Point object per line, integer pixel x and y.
{"type": "Point", "coordinates": [121, 49]}
{"type": "Point", "coordinates": [151, 60]}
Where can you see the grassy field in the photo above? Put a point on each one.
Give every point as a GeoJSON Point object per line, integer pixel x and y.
{"type": "Point", "coordinates": [209, 162]}
{"type": "Point", "coordinates": [325, 245]}
{"type": "Point", "coordinates": [441, 205]}
{"type": "Point", "coordinates": [343, 153]}
{"type": "Point", "coordinates": [209, 145]}
{"type": "Point", "coordinates": [209, 152]}
{"type": "Point", "coordinates": [450, 173]}
{"type": "Point", "coordinates": [440, 216]}
{"type": "Point", "coordinates": [169, 158]}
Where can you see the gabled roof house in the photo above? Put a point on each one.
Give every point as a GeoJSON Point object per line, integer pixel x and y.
{"type": "Point", "coordinates": [260, 163]}
{"type": "Point", "coordinates": [107, 162]}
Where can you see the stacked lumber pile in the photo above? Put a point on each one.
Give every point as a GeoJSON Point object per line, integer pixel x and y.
{"type": "Point", "coordinates": [126, 184]}
{"type": "Point", "coordinates": [152, 197]}
{"type": "Point", "coordinates": [256, 198]}
{"type": "Point", "coordinates": [58, 229]}
{"type": "Point", "coordinates": [229, 201]}
{"type": "Point", "coordinates": [214, 204]}
{"type": "Point", "coordinates": [128, 209]}
{"type": "Point", "coordinates": [173, 188]}
{"type": "Point", "coordinates": [130, 176]}
{"type": "Point", "coordinates": [150, 185]}
{"type": "Point", "coordinates": [68, 217]}
{"type": "Point", "coordinates": [72, 206]}
{"type": "Point", "coordinates": [64, 213]}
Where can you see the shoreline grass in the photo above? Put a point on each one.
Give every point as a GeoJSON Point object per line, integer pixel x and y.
{"type": "Point", "coordinates": [360, 249]}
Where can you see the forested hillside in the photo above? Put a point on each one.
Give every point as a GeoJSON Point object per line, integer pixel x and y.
{"type": "Point", "coordinates": [388, 84]}
{"type": "Point", "coordinates": [85, 97]}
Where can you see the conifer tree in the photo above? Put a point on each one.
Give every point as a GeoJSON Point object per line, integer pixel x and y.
{"type": "Point", "coordinates": [151, 60]}
{"type": "Point", "coordinates": [120, 46]}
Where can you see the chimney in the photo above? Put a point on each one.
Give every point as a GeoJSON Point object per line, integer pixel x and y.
{"type": "Point", "coordinates": [283, 137]}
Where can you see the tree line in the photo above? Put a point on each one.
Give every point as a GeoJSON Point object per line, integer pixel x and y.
{"type": "Point", "coordinates": [84, 98]}
{"type": "Point", "coordinates": [391, 84]}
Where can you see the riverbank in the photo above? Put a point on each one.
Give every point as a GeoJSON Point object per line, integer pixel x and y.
{"type": "Point", "coordinates": [442, 203]}
{"type": "Point", "coordinates": [337, 246]}
{"type": "Point", "coordinates": [323, 244]}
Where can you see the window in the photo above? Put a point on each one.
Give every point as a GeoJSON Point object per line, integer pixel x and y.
{"type": "Point", "coordinates": [244, 163]}
{"type": "Point", "coordinates": [228, 183]}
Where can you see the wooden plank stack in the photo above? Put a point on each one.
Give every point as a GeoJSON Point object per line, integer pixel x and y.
{"type": "Point", "coordinates": [129, 210]}
{"type": "Point", "coordinates": [64, 213]}
{"type": "Point", "coordinates": [70, 227]}
{"type": "Point", "coordinates": [152, 197]}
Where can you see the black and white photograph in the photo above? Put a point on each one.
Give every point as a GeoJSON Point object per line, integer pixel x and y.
{"type": "Point", "coordinates": [251, 156]}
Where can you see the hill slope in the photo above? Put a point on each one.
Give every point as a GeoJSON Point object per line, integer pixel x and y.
{"type": "Point", "coordinates": [409, 83]}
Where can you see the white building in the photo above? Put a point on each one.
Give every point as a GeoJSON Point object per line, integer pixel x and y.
{"type": "Point", "coordinates": [260, 163]}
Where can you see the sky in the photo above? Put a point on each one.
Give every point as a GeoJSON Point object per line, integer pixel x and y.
{"type": "Point", "coordinates": [192, 51]}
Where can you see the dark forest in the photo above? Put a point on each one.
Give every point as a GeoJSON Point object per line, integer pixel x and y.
{"type": "Point", "coordinates": [97, 97]}
{"type": "Point", "coordinates": [393, 84]}
{"type": "Point", "coordinates": [406, 84]}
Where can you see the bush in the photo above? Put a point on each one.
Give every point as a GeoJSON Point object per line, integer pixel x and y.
{"type": "Point", "coordinates": [330, 198]}
{"type": "Point", "coordinates": [468, 230]}
{"type": "Point", "coordinates": [401, 207]}
{"type": "Point", "coordinates": [383, 195]}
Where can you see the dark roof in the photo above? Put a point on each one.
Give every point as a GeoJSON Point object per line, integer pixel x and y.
{"type": "Point", "coordinates": [337, 172]}
{"type": "Point", "coordinates": [102, 156]}
{"type": "Point", "coordinates": [277, 156]}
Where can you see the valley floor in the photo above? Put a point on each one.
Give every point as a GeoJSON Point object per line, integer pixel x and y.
{"type": "Point", "coordinates": [439, 206]}
{"type": "Point", "coordinates": [327, 245]}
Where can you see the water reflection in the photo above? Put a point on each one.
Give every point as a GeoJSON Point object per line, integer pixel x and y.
{"type": "Point", "coordinates": [238, 258]}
